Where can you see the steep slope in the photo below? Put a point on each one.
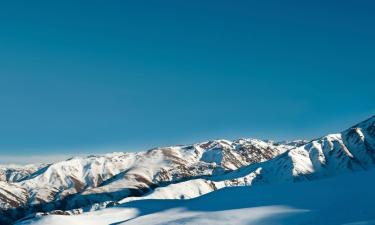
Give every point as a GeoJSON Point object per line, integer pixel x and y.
{"type": "Point", "coordinates": [345, 199]}
{"type": "Point", "coordinates": [351, 150]}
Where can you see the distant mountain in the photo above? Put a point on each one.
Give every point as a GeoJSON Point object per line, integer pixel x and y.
{"type": "Point", "coordinates": [350, 150]}
{"type": "Point", "coordinates": [345, 199]}
{"type": "Point", "coordinates": [83, 181]}
{"type": "Point", "coordinates": [14, 173]}
{"type": "Point", "coordinates": [180, 172]}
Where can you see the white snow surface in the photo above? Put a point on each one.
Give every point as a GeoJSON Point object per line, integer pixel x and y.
{"type": "Point", "coordinates": [121, 173]}
{"type": "Point", "coordinates": [14, 173]}
{"type": "Point", "coordinates": [344, 199]}
{"type": "Point", "coordinates": [177, 173]}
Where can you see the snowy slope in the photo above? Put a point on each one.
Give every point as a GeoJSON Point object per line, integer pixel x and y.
{"type": "Point", "coordinates": [181, 172]}
{"type": "Point", "coordinates": [84, 181]}
{"type": "Point", "coordinates": [351, 150]}
{"type": "Point", "coordinates": [14, 173]}
{"type": "Point", "coordinates": [345, 199]}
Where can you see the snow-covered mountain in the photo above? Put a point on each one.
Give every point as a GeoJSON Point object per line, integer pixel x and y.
{"type": "Point", "coordinates": [14, 173]}
{"type": "Point", "coordinates": [351, 150]}
{"type": "Point", "coordinates": [181, 172]}
{"type": "Point", "coordinates": [345, 199]}
{"type": "Point", "coordinates": [83, 181]}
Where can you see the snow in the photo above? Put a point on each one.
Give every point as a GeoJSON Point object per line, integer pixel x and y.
{"type": "Point", "coordinates": [183, 190]}
{"type": "Point", "coordinates": [345, 199]}
{"type": "Point", "coordinates": [119, 171]}
{"type": "Point", "coordinates": [185, 172]}
{"type": "Point", "coordinates": [14, 173]}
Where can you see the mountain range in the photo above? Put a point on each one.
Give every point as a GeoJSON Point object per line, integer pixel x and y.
{"type": "Point", "coordinates": [87, 185]}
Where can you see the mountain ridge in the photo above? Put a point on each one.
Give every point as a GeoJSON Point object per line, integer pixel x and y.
{"type": "Point", "coordinates": [178, 172]}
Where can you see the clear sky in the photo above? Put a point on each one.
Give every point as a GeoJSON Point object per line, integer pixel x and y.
{"type": "Point", "coordinates": [81, 77]}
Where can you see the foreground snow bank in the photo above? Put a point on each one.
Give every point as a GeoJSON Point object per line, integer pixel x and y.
{"type": "Point", "coordinates": [346, 199]}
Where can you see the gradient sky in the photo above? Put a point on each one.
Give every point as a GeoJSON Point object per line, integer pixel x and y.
{"type": "Point", "coordinates": [81, 77]}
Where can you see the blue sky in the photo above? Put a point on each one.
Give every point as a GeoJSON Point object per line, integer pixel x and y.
{"type": "Point", "coordinates": [81, 77]}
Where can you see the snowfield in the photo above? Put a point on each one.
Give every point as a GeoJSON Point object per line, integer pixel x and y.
{"type": "Point", "coordinates": [345, 199]}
